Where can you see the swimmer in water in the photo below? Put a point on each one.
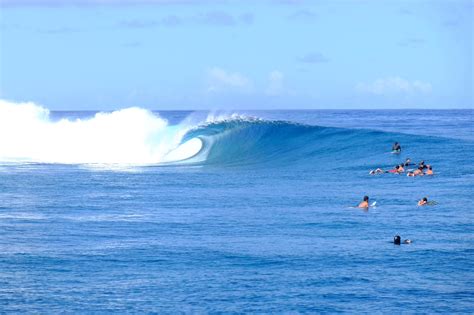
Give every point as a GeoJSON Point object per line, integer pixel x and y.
{"type": "Point", "coordinates": [423, 202]}
{"type": "Point", "coordinates": [365, 203]}
{"type": "Point", "coordinates": [396, 147]}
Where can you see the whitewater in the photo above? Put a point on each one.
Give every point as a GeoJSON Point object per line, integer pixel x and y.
{"type": "Point", "coordinates": [139, 211]}
{"type": "Point", "coordinates": [128, 136]}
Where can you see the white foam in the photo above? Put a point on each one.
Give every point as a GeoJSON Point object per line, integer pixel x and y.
{"type": "Point", "coordinates": [128, 136]}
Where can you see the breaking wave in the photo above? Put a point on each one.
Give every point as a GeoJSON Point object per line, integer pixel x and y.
{"type": "Point", "coordinates": [135, 136]}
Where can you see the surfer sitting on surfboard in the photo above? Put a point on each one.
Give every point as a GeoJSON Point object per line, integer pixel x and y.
{"type": "Point", "coordinates": [396, 148]}
{"type": "Point", "coordinates": [365, 203]}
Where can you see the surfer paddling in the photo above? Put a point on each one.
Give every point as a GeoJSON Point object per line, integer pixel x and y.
{"type": "Point", "coordinates": [423, 202]}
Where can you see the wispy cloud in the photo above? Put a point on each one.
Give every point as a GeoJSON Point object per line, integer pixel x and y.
{"type": "Point", "coordinates": [275, 83]}
{"type": "Point", "coordinates": [221, 18]}
{"type": "Point", "coordinates": [394, 85]}
{"type": "Point", "coordinates": [217, 18]}
{"type": "Point", "coordinates": [169, 20]}
{"type": "Point", "coordinates": [303, 16]}
{"type": "Point", "coordinates": [313, 57]}
{"type": "Point", "coordinates": [212, 18]}
{"type": "Point", "coordinates": [405, 11]}
{"type": "Point", "coordinates": [220, 79]}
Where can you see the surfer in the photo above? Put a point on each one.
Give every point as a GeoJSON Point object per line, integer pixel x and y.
{"type": "Point", "coordinates": [397, 240]}
{"type": "Point", "coordinates": [423, 165]}
{"type": "Point", "coordinates": [408, 162]}
{"type": "Point", "coordinates": [418, 171]}
{"type": "Point", "coordinates": [429, 171]}
{"type": "Point", "coordinates": [423, 202]}
{"type": "Point", "coordinates": [365, 203]}
{"type": "Point", "coordinates": [396, 148]}
{"type": "Point", "coordinates": [397, 170]}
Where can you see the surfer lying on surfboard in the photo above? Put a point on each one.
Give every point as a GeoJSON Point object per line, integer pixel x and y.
{"type": "Point", "coordinates": [398, 169]}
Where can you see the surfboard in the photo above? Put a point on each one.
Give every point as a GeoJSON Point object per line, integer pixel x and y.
{"type": "Point", "coordinates": [373, 205]}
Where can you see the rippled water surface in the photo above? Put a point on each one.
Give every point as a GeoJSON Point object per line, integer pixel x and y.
{"type": "Point", "coordinates": [261, 222]}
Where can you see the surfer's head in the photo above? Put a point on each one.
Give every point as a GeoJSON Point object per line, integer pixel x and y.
{"type": "Point", "coordinates": [397, 240]}
{"type": "Point", "coordinates": [366, 198]}
{"type": "Point", "coordinates": [425, 199]}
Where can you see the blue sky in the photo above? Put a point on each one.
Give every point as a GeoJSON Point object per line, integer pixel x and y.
{"type": "Point", "coordinates": [162, 54]}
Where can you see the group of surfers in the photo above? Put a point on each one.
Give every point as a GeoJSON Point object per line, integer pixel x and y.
{"type": "Point", "coordinates": [422, 169]}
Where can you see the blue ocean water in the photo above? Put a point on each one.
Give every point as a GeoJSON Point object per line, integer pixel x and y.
{"type": "Point", "coordinates": [259, 220]}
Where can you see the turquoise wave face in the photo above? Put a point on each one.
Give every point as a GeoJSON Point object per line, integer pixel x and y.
{"type": "Point", "coordinates": [264, 143]}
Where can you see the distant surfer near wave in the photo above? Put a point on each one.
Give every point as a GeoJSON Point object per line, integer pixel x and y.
{"type": "Point", "coordinates": [396, 148]}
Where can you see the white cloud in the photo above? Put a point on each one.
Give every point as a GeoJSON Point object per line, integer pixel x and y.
{"type": "Point", "coordinates": [393, 85]}
{"type": "Point", "coordinates": [275, 85]}
{"type": "Point", "coordinates": [220, 79]}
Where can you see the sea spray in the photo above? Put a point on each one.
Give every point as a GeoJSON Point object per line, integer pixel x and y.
{"type": "Point", "coordinates": [127, 136]}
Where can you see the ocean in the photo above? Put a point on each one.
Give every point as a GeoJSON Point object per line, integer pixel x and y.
{"type": "Point", "coordinates": [135, 211]}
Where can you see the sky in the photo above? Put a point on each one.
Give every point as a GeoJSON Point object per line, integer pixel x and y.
{"type": "Point", "coordinates": [268, 54]}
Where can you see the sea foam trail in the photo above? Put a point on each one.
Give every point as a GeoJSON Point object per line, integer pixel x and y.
{"type": "Point", "coordinates": [128, 136]}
